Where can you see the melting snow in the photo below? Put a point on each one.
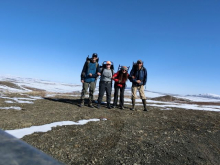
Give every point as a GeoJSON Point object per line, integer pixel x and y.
{"type": "Point", "coordinates": [19, 133]}
{"type": "Point", "coordinates": [16, 108]}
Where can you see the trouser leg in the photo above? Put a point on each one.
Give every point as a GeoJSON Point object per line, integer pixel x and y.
{"type": "Point", "coordinates": [84, 91]}
{"type": "Point", "coordinates": [108, 94]}
{"type": "Point", "coordinates": [116, 96]}
{"type": "Point", "coordinates": [91, 91]}
{"type": "Point", "coordinates": [141, 92]}
{"type": "Point", "coordinates": [101, 92]}
{"type": "Point", "coordinates": [134, 96]}
{"type": "Point", "coordinates": [122, 90]}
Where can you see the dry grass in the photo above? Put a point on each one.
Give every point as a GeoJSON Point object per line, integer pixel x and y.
{"type": "Point", "coordinates": [38, 93]}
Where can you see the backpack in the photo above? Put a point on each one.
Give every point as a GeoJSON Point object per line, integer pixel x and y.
{"type": "Point", "coordinates": [134, 68]}
{"type": "Point", "coordinates": [119, 67]}
{"type": "Point", "coordinates": [88, 60]}
{"type": "Point", "coordinates": [104, 66]}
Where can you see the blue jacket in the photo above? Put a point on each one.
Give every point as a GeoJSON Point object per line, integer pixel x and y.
{"type": "Point", "coordinates": [88, 68]}
{"type": "Point", "coordinates": [138, 75]}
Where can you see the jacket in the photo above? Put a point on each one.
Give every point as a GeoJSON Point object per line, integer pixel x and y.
{"type": "Point", "coordinates": [88, 68]}
{"type": "Point", "coordinates": [116, 79]}
{"type": "Point", "coordinates": [138, 75]}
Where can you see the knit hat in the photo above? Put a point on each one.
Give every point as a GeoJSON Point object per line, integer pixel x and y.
{"type": "Point", "coordinates": [124, 68]}
{"type": "Point", "coordinates": [108, 62]}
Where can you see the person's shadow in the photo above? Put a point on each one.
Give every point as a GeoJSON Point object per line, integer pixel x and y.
{"type": "Point", "coordinates": [68, 101]}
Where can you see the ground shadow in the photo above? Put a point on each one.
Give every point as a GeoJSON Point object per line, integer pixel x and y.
{"type": "Point", "coordinates": [78, 101]}
{"type": "Point", "coordinates": [70, 101]}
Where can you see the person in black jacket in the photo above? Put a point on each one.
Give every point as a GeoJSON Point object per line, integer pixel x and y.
{"type": "Point", "coordinates": [138, 77]}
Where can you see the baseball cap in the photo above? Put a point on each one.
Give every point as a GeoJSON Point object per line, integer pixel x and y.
{"type": "Point", "coordinates": [108, 62]}
{"type": "Point", "coordinates": [94, 55]}
{"type": "Point", "coordinates": [139, 62]}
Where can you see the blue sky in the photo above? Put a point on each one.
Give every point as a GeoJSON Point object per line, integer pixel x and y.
{"type": "Point", "coordinates": [178, 40]}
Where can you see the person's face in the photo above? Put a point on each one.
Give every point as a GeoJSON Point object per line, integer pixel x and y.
{"type": "Point", "coordinates": [140, 64]}
{"type": "Point", "coordinates": [108, 66]}
{"type": "Point", "coordinates": [94, 59]}
{"type": "Point", "coordinates": [124, 71]}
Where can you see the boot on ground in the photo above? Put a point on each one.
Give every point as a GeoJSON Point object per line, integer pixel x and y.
{"type": "Point", "coordinates": [144, 104]}
{"type": "Point", "coordinates": [133, 105]}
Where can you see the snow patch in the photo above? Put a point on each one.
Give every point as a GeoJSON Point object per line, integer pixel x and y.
{"type": "Point", "coordinates": [15, 108]}
{"type": "Point", "coordinates": [19, 133]}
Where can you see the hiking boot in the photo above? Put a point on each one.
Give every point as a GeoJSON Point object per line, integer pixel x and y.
{"type": "Point", "coordinates": [144, 104]}
{"type": "Point", "coordinates": [98, 106]}
{"type": "Point", "coordinates": [113, 106]}
{"type": "Point", "coordinates": [109, 106]}
{"type": "Point", "coordinates": [90, 105]}
{"type": "Point", "coordinates": [133, 105]}
{"type": "Point", "coordinates": [82, 103]}
{"type": "Point", "coordinates": [122, 107]}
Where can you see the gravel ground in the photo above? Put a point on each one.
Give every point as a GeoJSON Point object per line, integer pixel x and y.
{"type": "Point", "coordinates": [176, 136]}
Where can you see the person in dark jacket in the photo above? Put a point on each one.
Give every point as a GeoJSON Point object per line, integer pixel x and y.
{"type": "Point", "coordinates": [105, 84]}
{"type": "Point", "coordinates": [89, 74]}
{"type": "Point", "coordinates": [120, 79]}
{"type": "Point", "coordinates": [138, 77]}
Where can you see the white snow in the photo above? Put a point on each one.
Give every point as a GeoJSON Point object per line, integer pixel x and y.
{"type": "Point", "coordinates": [8, 101]}
{"type": "Point", "coordinates": [20, 100]}
{"type": "Point", "coordinates": [19, 133]}
{"type": "Point", "coordinates": [39, 84]}
{"type": "Point", "coordinates": [53, 89]}
{"type": "Point", "coordinates": [185, 106]}
{"type": "Point", "coordinates": [12, 107]}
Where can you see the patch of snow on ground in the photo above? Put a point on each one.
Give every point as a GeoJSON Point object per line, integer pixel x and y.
{"type": "Point", "coordinates": [15, 108]}
{"type": "Point", "coordinates": [8, 101]}
{"type": "Point", "coordinates": [4, 88]}
{"type": "Point", "coordinates": [198, 99]}
{"type": "Point", "coordinates": [186, 106]}
{"type": "Point", "coordinates": [19, 133]}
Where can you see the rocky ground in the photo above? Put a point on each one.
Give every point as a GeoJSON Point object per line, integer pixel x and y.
{"type": "Point", "coordinates": [176, 136]}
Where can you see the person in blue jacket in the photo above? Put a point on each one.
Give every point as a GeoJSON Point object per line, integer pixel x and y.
{"type": "Point", "coordinates": [89, 75]}
{"type": "Point", "coordinates": [138, 77]}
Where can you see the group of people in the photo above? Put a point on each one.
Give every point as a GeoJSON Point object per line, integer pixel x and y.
{"type": "Point", "coordinates": [91, 71]}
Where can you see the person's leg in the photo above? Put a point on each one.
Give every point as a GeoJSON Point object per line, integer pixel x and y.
{"type": "Point", "coordinates": [134, 96]}
{"type": "Point", "coordinates": [115, 96]}
{"type": "Point", "coordinates": [143, 97]}
{"type": "Point", "coordinates": [91, 91]}
{"type": "Point", "coordinates": [83, 93]}
{"type": "Point", "coordinates": [122, 90]}
{"type": "Point", "coordinates": [108, 94]}
{"type": "Point", "coordinates": [101, 93]}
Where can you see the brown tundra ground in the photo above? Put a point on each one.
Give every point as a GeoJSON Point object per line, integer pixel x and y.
{"type": "Point", "coordinates": [176, 136]}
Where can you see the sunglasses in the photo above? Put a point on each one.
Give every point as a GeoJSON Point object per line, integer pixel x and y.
{"type": "Point", "coordinates": [108, 64]}
{"type": "Point", "coordinates": [124, 70]}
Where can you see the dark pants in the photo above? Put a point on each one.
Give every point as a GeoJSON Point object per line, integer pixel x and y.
{"type": "Point", "coordinates": [105, 87]}
{"type": "Point", "coordinates": [122, 90]}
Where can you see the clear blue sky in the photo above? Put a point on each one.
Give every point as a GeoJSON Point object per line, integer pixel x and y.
{"type": "Point", "coordinates": [178, 40]}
